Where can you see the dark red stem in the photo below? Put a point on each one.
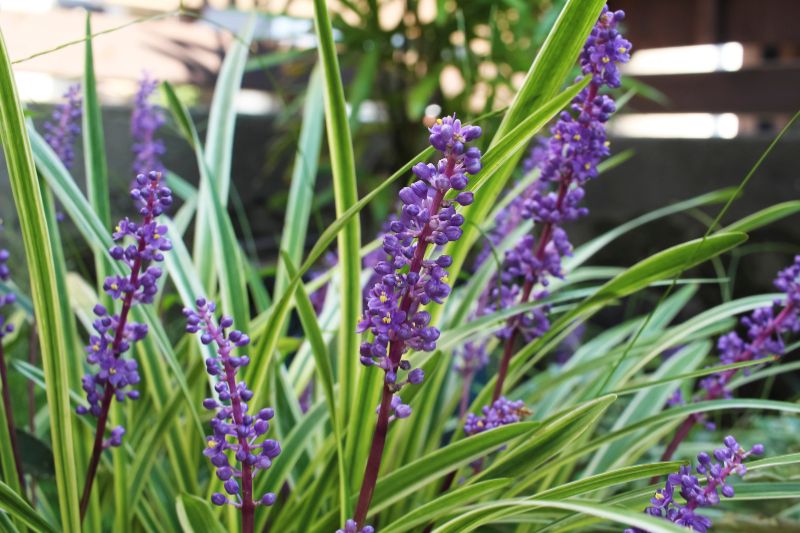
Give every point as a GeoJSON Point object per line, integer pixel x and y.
{"type": "Point", "coordinates": [102, 420]}
{"type": "Point", "coordinates": [718, 387]}
{"type": "Point", "coordinates": [396, 348]}
{"type": "Point", "coordinates": [508, 348]}
{"type": "Point", "coordinates": [12, 429]}
{"type": "Point", "coordinates": [97, 449]}
{"type": "Point", "coordinates": [544, 239]}
{"type": "Point", "coordinates": [248, 506]}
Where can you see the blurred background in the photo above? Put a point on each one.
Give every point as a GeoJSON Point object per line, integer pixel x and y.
{"type": "Point", "coordinates": [710, 83]}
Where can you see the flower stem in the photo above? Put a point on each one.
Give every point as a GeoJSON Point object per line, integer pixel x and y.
{"type": "Point", "coordinates": [97, 449]}
{"type": "Point", "coordinates": [508, 348]}
{"type": "Point", "coordinates": [102, 419]}
{"type": "Point", "coordinates": [396, 348]}
{"type": "Point", "coordinates": [248, 506]}
{"type": "Point", "coordinates": [374, 460]}
{"type": "Point", "coordinates": [12, 430]}
{"type": "Point", "coordinates": [718, 388]}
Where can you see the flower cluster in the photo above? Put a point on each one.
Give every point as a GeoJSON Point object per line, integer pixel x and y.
{"type": "Point", "coordinates": [765, 332]}
{"type": "Point", "coordinates": [115, 333]}
{"type": "Point", "coordinates": [235, 430]}
{"type": "Point", "coordinates": [407, 280]}
{"type": "Point", "coordinates": [502, 412]}
{"type": "Point", "coordinates": [566, 161]}
{"type": "Point", "coordinates": [397, 408]}
{"type": "Point", "coordinates": [664, 505]}
{"type": "Point", "coordinates": [605, 49]}
{"type": "Point", "coordinates": [7, 299]}
{"type": "Point", "coordinates": [64, 126]}
{"type": "Point", "coordinates": [351, 527]}
{"type": "Point", "coordinates": [146, 119]}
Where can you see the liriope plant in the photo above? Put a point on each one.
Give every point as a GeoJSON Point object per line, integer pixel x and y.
{"type": "Point", "coordinates": [468, 292]}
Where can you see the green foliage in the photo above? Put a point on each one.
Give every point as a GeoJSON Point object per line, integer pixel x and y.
{"type": "Point", "coordinates": [583, 458]}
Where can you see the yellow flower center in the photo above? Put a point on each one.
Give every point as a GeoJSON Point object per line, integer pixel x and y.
{"type": "Point", "coordinates": [118, 228]}
{"type": "Point", "coordinates": [444, 279]}
{"type": "Point", "coordinates": [156, 236]}
{"type": "Point", "coordinates": [212, 443]}
{"type": "Point", "coordinates": [114, 286]}
{"type": "Point", "coordinates": [439, 121]}
{"type": "Point", "coordinates": [96, 347]}
{"type": "Point", "coordinates": [383, 297]}
{"type": "Point", "coordinates": [587, 166]}
{"type": "Point", "coordinates": [606, 60]}
{"type": "Point", "coordinates": [557, 136]}
{"type": "Point", "coordinates": [112, 370]}
{"type": "Point", "coordinates": [622, 49]}
{"type": "Point", "coordinates": [659, 496]}
{"type": "Point", "coordinates": [387, 319]}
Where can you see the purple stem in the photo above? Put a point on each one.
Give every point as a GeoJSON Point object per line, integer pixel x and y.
{"type": "Point", "coordinates": [508, 349]}
{"type": "Point", "coordinates": [544, 239]}
{"type": "Point", "coordinates": [248, 507]}
{"type": "Point", "coordinates": [102, 420]}
{"type": "Point", "coordinates": [395, 354]}
{"type": "Point", "coordinates": [718, 388]}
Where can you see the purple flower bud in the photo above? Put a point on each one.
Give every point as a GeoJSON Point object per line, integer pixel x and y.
{"type": "Point", "coordinates": [231, 486]}
{"type": "Point", "coordinates": [416, 376]}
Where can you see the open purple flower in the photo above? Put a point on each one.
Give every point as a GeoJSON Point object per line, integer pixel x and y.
{"type": "Point", "coordinates": [236, 448]}
{"type": "Point", "coordinates": [64, 126]}
{"type": "Point", "coordinates": [695, 495]}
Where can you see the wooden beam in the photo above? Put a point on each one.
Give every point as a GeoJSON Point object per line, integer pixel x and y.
{"type": "Point", "coordinates": [755, 90]}
{"type": "Point", "coordinates": [655, 24]}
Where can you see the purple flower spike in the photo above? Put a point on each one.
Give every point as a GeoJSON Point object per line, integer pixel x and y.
{"type": "Point", "coordinates": [605, 49]}
{"type": "Point", "coordinates": [63, 128]}
{"type": "Point", "coordinates": [501, 413]}
{"type": "Point", "coordinates": [351, 527]}
{"type": "Point", "coordinates": [696, 495]}
{"type": "Point", "coordinates": [146, 119]}
{"type": "Point", "coordinates": [566, 162]}
{"type": "Point", "coordinates": [405, 280]}
{"type": "Point", "coordinates": [765, 330]}
{"type": "Point", "coordinates": [237, 448]}
{"type": "Point", "coordinates": [114, 334]}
